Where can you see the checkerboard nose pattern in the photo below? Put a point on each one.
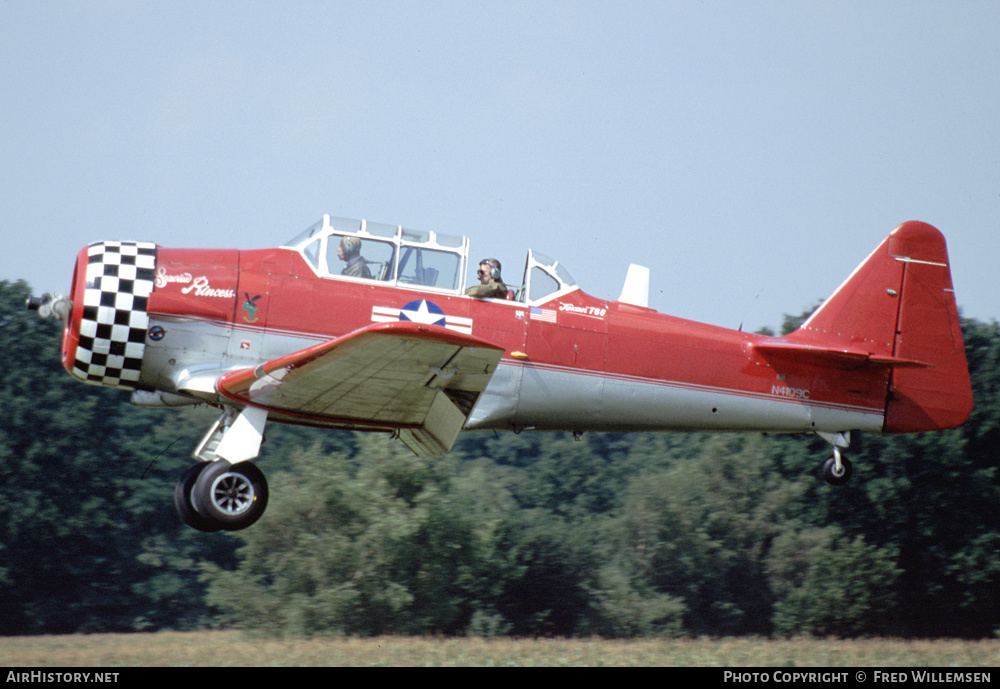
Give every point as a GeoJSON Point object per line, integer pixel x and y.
{"type": "Point", "coordinates": [114, 323]}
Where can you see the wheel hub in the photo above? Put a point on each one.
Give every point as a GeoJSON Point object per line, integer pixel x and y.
{"type": "Point", "coordinates": [233, 493]}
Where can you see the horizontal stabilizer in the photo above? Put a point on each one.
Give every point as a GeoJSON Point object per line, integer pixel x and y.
{"type": "Point", "coordinates": [835, 357]}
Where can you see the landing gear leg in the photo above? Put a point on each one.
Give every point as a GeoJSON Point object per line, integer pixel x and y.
{"type": "Point", "coordinates": [225, 491]}
{"type": "Point", "coordinates": [837, 469]}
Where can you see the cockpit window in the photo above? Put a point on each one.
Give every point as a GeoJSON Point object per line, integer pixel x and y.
{"type": "Point", "coordinates": [541, 284]}
{"type": "Point", "coordinates": [430, 268]}
{"type": "Point", "coordinates": [312, 251]}
{"type": "Point", "coordinates": [554, 267]}
{"type": "Point", "coordinates": [368, 259]}
{"type": "Point", "coordinates": [544, 277]}
{"type": "Point", "coordinates": [378, 229]}
{"type": "Point", "coordinates": [362, 250]}
{"type": "Point", "coordinates": [303, 236]}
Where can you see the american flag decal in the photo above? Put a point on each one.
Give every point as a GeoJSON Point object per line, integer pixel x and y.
{"type": "Point", "coordinates": [537, 314]}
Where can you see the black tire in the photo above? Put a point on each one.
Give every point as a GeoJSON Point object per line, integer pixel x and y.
{"type": "Point", "coordinates": [830, 471]}
{"type": "Point", "coordinates": [182, 500]}
{"type": "Point", "coordinates": [231, 495]}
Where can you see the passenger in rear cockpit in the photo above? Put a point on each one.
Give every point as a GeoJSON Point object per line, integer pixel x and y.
{"type": "Point", "coordinates": [349, 251]}
{"type": "Point", "coordinates": [490, 284]}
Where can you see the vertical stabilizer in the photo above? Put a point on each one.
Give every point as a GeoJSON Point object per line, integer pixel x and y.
{"type": "Point", "coordinates": [899, 306]}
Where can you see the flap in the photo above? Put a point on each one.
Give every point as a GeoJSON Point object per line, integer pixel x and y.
{"type": "Point", "coordinates": [387, 375]}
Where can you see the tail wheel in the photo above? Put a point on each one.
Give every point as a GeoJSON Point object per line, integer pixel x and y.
{"type": "Point", "coordinates": [182, 500]}
{"type": "Point", "coordinates": [837, 476]}
{"type": "Point", "coordinates": [234, 496]}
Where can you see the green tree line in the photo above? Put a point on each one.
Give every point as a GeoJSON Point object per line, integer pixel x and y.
{"type": "Point", "coordinates": [618, 535]}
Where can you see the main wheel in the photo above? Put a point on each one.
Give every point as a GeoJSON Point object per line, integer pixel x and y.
{"type": "Point", "coordinates": [231, 495]}
{"type": "Point", "coordinates": [182, 500]}
{"type": "Point", "coordinates": [834, 477]}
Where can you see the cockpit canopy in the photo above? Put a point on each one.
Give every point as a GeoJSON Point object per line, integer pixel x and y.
{"type": "Point", "coordinates": [395, 255]}
{"type": "Point", "coordinates": [389, 252]}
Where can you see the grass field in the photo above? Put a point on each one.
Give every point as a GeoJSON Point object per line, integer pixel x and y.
{"type": "Point", "coordinates": [235, 649]}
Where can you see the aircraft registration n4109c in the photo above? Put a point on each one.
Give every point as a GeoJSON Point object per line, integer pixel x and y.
{"type": "Point", "coordinates": [367, 326]}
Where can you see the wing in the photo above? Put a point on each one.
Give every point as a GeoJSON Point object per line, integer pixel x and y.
{"type": "Point", "coordinates": [423, 380]}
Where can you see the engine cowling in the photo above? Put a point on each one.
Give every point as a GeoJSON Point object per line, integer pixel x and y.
{"type": "Point", "coordinates": [105, 336]}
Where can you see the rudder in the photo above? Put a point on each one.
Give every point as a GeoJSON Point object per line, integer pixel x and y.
{"type": "Point", "coordinates": [929, 330]}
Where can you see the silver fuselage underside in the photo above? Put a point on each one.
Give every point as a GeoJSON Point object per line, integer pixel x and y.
{"type": "Point", "coordinates": [520, 395]}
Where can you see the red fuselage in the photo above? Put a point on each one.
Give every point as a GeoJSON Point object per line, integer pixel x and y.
{"type": "Point", "coordinates": [570, 361]}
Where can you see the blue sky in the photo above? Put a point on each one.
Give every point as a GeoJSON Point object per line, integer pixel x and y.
{"type": "Point", "coordinates": [750, 153]}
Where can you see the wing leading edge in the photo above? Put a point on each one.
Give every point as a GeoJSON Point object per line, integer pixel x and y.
{"type": "Point", "coordinates": [420, 379]}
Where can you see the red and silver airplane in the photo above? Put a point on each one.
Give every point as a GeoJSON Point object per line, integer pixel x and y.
{"type": "Point", "coordinates": [289, 335]}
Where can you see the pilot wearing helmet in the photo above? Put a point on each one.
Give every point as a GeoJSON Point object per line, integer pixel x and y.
{"type": "Point", "coordinates": [349, 251]}
{"type": "Point", "coordinates": [491, 286]}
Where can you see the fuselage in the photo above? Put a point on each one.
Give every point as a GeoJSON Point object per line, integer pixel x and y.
{"type": "Point", "coordinates": [571, 361]}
